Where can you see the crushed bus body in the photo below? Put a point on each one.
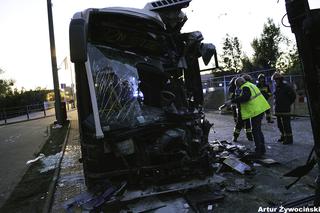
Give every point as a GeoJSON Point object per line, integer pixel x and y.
{"type": "Point", "coordinates": [139, 93]}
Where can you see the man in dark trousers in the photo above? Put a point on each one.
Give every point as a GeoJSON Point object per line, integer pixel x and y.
{"type": "Point", "coordinates": [232, 93]}
{"type": "Point", "coordinates": [266, 92]}
{"type": "Point", "coordinates": [252, 106]}
{"type": "Point", "coordinates": [284, 97]}
{"type": "Point", "coordinates": [239, 123]}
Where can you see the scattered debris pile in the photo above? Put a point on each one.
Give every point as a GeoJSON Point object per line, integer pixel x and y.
{"type": "Point", "coordinates": [230, 162]}
{"type": "Point", "coordinates": [230, 155]}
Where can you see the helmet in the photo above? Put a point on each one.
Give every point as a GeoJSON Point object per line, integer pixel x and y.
{"type": "Point", "coordinates": [247, 77]}
{"type": "Point", "coordinates": [233, 80]}
{"type": "Point", "coordinates": [276, 75]}
{"type": "Point", "coordinates": [261, 76]}
{"type": "Point", "coordinates": [240, 81]}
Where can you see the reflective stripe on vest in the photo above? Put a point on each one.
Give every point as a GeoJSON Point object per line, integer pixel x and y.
{"type": "Point", "coordinates": [256, 94]}
{"type": "Point", "coordinates": [256, 105]}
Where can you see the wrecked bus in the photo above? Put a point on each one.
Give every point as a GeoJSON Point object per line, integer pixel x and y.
{"type": "Point", "coordinates": [139, 93]}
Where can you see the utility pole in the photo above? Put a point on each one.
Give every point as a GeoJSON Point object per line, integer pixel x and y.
{"type": "Point", "coordinates": [54, 66]}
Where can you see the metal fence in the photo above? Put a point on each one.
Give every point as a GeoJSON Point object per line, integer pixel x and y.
{"type": "Point", "coordinates": [221, 84]}
{"type": "Point", "coordinates": [16, 114]}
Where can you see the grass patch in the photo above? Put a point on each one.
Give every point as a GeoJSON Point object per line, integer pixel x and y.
{"type": "Point", "coordinates": [31, 192]}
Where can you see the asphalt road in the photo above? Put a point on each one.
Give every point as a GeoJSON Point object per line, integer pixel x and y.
{"type": "Point", "coordinates": [18, 144]}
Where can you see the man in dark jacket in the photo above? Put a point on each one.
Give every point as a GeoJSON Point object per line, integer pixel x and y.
{"type": "Point", "coordinates": [239, 123]}
{"type": "Point", "coordinates": [266, 92]}
{"type": "Point", "coordinates": [232, 93]}
{"type": "Point", "coordinates": [284, 97]}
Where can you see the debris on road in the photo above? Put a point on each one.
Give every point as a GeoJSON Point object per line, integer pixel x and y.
{"type": "Point", "coordinates": [50, 162]}
{"type": "Point", "coordinates": [57, 126]}
{"type": "Point", "coordinates": [224, 149]}
{"type": "Point", "coordinates": [41, 155]}
{"type": "Point", "coordinates": [91, 200]}
{"type": "Point", "coordinates": [267, 162]}
{"type": "Point", "coordinates": [237, 165]}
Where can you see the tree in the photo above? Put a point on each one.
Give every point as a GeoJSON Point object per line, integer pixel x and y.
{"type": "Point", "coordinates": [266, 48]}
{"type": "Point", "coordinates": [5, 85]}
{"type": "Point", "coordinates": [247, 65]}
{"type": "Point", "coordinates": [295, 63]}
{"type": "Point", "coordinates": [289, 62]}
{"type": "Point", "coordinates": [232, 54]}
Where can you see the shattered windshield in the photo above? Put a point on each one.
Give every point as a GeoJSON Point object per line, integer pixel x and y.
{"type": "Point", "coordinates": [116, 81]}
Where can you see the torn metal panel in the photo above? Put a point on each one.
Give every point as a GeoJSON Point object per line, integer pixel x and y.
{"type": "Point", "coordinates": [237, 165]}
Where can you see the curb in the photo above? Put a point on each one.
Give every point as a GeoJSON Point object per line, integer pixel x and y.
{"type": "Point", "coordinates": [52, 186]}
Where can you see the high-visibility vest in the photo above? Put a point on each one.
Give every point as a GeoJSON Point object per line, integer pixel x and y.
{"type": "Point", "coordinates": [256, 105]}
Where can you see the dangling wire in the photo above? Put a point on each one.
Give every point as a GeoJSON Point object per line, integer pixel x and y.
{"type": "Point", "coordinates": [283, 22]}
{"type": "Point", "coordinates": [283, 17]}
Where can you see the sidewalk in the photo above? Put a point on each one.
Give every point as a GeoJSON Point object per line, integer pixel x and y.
{"type": "Point", "coordinates": [71, 179]}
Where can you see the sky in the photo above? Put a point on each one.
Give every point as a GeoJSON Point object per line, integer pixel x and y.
{"type": "Point", "coordinates": [24, 35]}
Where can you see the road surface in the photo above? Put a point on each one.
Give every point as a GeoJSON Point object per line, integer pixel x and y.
{"type": "Point", "coordinates": [18, 144]}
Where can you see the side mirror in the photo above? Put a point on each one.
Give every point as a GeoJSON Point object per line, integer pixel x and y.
{"type": "Point", "coordinates": [207, 50]}
{"type": "Point", "coordinates": [78, 40]}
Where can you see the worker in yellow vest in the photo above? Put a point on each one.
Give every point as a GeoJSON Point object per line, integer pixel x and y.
{"type": "Point", "coordinates": [239, 123]}
{"type": "Point", "coordinates": [252, 106]}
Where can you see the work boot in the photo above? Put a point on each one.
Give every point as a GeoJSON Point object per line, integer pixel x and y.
{"type": "Point", "coordinates": [288, 140]}
{"type": "Point", "coordinates": [269, 118]}
{"type": "Point", "coordinates": [235, 139]}
{"type": "Point", "coordinates": [263, 150]}
{"type": "Point", "coordinates": [249, 136]}
{"type": "Point", "coordinates": [236, 134]}
{"type": "Point", "coordinates": [270, 121]}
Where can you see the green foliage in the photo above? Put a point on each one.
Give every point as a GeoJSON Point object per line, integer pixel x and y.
{"type": "Point", "coordinates": [289, 62]}
{"type": "Point", "coordinates": [266, 48]}
{"type": "Point", "coordinates": [247, 65]}
{"type": "Point", "coordinates": [14, 98]}
{"type": "Point", "coordinates": [5, 86]}
{"type": "Point", "coordinates": [23, 98]}
{"type": "Point", "coordinates": [231, 54]}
